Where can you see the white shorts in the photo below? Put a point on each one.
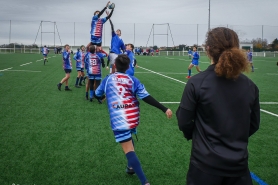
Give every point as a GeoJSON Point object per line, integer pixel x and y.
{"type": "Point", "coordinates": [112, 57]}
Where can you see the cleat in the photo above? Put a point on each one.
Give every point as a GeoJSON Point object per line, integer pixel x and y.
{"type": "Point", "coordinates": [80, 84]}
{"type": "Point", "coordinates": [91, 99]}
{"type": "Point", "coordinates": [188, 77]}
{"type": "Point", "coordinates": [67, 89]}
{"type": "Point", "coordinates": [147, 183]}
{"type": "Point", "coordinates": [77, 86]}
{"type": "Point", "coordinates": [99, 101]}
{"type": "Point", "coordinates": [129, 171]}
{"type": "Point", "coordinates": [59, 87]}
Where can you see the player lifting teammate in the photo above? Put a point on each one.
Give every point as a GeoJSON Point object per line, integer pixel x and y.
{"type": "Point", "coordinates": [97, 25]}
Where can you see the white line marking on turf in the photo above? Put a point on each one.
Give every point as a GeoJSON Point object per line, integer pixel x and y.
{"type": "Point", "coordinates": [26, 64]}
{"type": "Point", "coordinates": [265, 103]}
{"type": "Point", "coordinates": [171, 58]}
{"type": "Point", "coordinates": [185, 83]}
{"type": "Point", "coordinates": [272, 73]}
{"type": "Point", "coordinates": [6, 69]}
{"type": "Point", "coordinates": [260, 109]}
{"type": "Point", "coordinates": [269, 112]}
{"type": "Point", "coordinates": [162, 75]}
{"type": "Point", "coordinates": [25, 71]}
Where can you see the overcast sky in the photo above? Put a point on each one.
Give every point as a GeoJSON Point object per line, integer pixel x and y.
{"type": "Point", "coordinates": [135, 19]}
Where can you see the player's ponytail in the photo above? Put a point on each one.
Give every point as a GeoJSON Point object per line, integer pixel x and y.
{"type": "Point", "coordinates": [222, 46]}
{"type": "Point", "coordinates": [232, 62]}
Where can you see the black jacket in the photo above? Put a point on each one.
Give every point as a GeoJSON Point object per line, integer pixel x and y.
{"type": "Point", "coordinates": [219, 115]}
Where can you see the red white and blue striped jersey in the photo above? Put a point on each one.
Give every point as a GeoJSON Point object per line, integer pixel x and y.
{"type": "Point", "coordinates": [93, 64]}
{"type": "Point", "coordinates": [121, 90]}
{"type": "Point", "coordinates": [66, 60]}
{"type": "Point", "coordinates": [97, 25]}
{"type": "Point", "coordinates": [45, 50]}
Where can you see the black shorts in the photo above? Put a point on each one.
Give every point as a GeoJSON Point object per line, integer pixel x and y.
{"type": "Point", "coordinates": [97, 44]}
{"type": "Point", "coordinates": [67, 70]}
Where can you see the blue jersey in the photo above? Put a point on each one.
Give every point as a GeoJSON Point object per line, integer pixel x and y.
{"type": "Point", "coordinates": [78, 58]}
{"type": "Point", "coordinates": [96, 28]}
{"type": "Point", "coordinates": [121, 90]}
{"type": "Point", "coordinates": [45, 50]}
{"type": "Point", "coordinates": [66, 60]}
{"type": "Point", "coordinates": [93, 64]}
{"type": "Point", "coordinates": [117, 44]}
{"type": "Point", "coordinates": [195, 59]}
{"type": "Point", "coordinates": [130, 70]}
{"type": "Point", "coordinates": [250, 56]}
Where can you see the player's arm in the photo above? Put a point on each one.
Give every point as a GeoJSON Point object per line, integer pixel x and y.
{"type": "Point", "coordinates": [108, 17]}
{"type": "Point", "coordinates": [112, 26]}
{"type": "Point", "coordinates": [146, 97]}
{"type": "Point", "coordinates": [66, 55]}
{"type": "Point", "coordinates": [255, 114]}
{"type": "Point", "coordinates": [102, 11]}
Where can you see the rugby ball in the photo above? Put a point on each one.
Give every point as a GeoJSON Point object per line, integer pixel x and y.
{"type": "Point", "coordinates": [111, 6]}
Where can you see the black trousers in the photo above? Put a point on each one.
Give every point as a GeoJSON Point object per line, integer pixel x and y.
{"type": "Point", "coordinates": [197, 177]}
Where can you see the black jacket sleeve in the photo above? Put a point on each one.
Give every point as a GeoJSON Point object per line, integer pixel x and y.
{"type": "Point", "coordinates": [102, 11]}
{"type": "Point", "coordinates": [255, 114]}
{"type": "Point", "coordinates": [150, 100]}
{"type": "Point", "coordinates": [186, 122]}
{"type": "Point", "coordinates": [108, 17]}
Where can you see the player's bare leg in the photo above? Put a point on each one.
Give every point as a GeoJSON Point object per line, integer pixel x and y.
{"type": "Point", "coordinates": [198, 69]}
{"type": "Point", "coordinates": [189, 70]}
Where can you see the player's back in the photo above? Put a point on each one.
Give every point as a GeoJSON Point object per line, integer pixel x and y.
{"type": "Point", "coordinates": [123, 105]}
{"type": "Point", "coordinates": [93, 64]}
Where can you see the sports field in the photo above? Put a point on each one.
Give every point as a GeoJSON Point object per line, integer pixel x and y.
{"type": "Point", "coordinates": [52, 137]}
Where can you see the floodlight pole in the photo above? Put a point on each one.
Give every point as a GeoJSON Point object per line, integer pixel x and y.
{"type": "Point", "coordinates": [41, 33]}
{"type": "Point", "coordinates": [54, 33]}
{"type": "Point", "coordinates": [74, 33]}
{"type": "Point", "coordinates": [262, 35]}
{"type": "Point", "coordinates": [209, 17]}
{"type": "Point", "coordinates": [10, 31]}
{"type": "Point", "coordinates": [153, 35]}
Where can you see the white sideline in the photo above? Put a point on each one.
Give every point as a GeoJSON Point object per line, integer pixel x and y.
{"type": "Point", "coordinates": [269, 113]}
{"type": "Point", "coordinates": [26, 64]}
{"type": "Point", "coordinates": [162, 75]}
{"type": "Point", "coordinates": [185, 83]}
{"type": "Point", "coordinates": [25, 71]}
{"type": "Point", "coordinates": [6, 69]}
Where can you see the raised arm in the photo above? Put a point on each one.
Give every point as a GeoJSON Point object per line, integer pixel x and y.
{"type": "Point", "coordinates": [112, 26]}
{"type": "Point", "coordinates": [102, 11]}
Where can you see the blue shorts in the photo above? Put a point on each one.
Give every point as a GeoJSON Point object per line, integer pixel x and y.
{"type": "Point", "coordinates": [125, 135]}
{"type": "Point", "coordinates": [195, 63]}
{"type": "Point", "coordinates": [67, 70]}
{"type": "Point", "coordinates": [96, 40]}
{"type": "Point", "coordinates": [78, 69]}
{"type": "Point", "coordinates": [45, 55]}
{"type": "Point", "coordinates": [94, 77]}
{"type": "Point", "coordinates": [82, 69]}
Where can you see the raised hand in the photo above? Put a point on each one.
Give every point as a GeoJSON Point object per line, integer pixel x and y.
{"type": "Point", "coordinates": [107, 4]}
